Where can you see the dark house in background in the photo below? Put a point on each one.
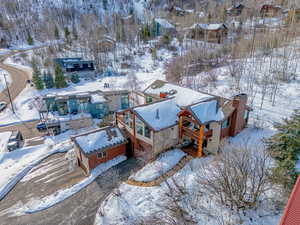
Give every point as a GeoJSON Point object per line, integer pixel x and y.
{"type": "Point", "coordinates": [236, 10]}
{"type": "Point", "coordinates": [270, 10]}
{"type": "Point", "coordinates": [99, 146]}
{"type": "Point", "coordinates": [208, 32]}
{"type": "Point", "coordinates": [69, 66]}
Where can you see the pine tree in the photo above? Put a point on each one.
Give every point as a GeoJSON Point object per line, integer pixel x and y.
{"type": "Point", "coordinates": [36, 78]}
{"type": "Point", "coordinates": [67, 33]}
{"type": "Point", "coordinates": [48, 80]}
{"type": "Point", "coordinates": [56, 33]}
{"type": "Point", "coordinates": [285, 148]}
{"type": "Point", "coordinates": [75, 78]}
{"type": "Point", "coordinates": [30, 39]}
{"type": "Point", "coordinates": [60, 80]}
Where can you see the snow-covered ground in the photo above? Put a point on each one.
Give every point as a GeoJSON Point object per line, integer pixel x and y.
{"type": "Point", "coordinates": [2, 79]}
{"type": "Point", "coordinates": [4, 137]}
{"type": "Point", "coordinates": [35, 205]}
{"type": "Point", "coordinates": [135, 202]}
{"type": "Point", "coordinates": [161, 165]}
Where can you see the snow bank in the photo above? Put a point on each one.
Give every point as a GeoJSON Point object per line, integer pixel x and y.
{"type": "Point", "coordinates": [59, 196]}
{"type": "Point", "coordinates": [15, 165]}
{"type": "Point", "coordinates": [4, 137]}
{"type": "Point", "coordinates": [163, 164]}
{"type": "Point", "coordinates": [2, 80]}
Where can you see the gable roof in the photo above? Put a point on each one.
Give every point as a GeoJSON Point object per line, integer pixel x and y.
{"type": "Point", "coordinates": [99, 140]}
{"type": "Point", "coordinates": [207, 111]}
{"type": "Point", "coordinates": [291, 215]}
{"type": "Point", "coordinates": [165, 23]}
{"type": "Point", "coordinates": [159, 115]}
{"type": "Point", "coordinates": [182, 96]}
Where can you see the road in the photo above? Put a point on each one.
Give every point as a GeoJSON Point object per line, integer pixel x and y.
{"type": "Point", "coordinates": [19, 80]}
{"type": "Point", "coordinates": [80, 209]}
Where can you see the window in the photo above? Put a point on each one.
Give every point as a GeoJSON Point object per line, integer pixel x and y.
{"type": "Point", "coordinates": [128, 119]}
{"type": "Point", "coordinates": [101, 155]}
{"type": "Point", "coordinates": [149, 99]}
{"type": "Point", "coordinates": [142, 129]}
{"type": "Point", "coordinates": [207, 126]}
{"type": "Point", "coordinates": [226, 123]}
{"type": "Point", "coordinates": [124, 101]}
{"type": "Point", "coordinates": [246, 115]}
{"type": "Point", "coordinates": [99, 106]}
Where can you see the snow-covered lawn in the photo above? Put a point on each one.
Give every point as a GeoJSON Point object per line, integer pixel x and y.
{"type": "Point", "coordinates": [161, 165]}
{"type": "Point", "coordinates": [135, 202]}
{"type": "Point", "coordinates": [15, 165]}
{"type": "Point", "coordinates": [36, 205]}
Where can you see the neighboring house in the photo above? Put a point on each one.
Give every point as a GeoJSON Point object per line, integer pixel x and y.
{"type": "Point", "coordinates": [183, 96]}
{"type": "Point", "coordinates": [217, 32]}
{"type": "Point", "coordinates": [291, 215]}
{"type": "Point", "coordinates": [106, 44]}
{"type": "Point", "coordinates": [162, 27]}
{"type": "Point", "coordinates": [98, 104]}
{"type": "Point", "coordinates": [84, 68]}
{"type": "Point", "coordinates": [99, 146]}
{"type": "Point", "coordinates": [235, 10]}
{"type": "Point", "coordinates": [177, 11]}
{"type": "Point", "coordinates": [151, 128]}
{"type": "Point", "coordinates": [270, 10]}
{"type": "Point", "coordinates": [176, 115]}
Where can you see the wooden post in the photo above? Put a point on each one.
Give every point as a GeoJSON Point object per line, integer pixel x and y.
{"type": "Point", "coordinates": [200, 141]}
{"type": "Point", "coordinates": [180, 128]}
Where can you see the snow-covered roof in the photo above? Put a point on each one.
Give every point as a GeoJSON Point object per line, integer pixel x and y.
{"type": "Point", "coordinates": [100, 140]}
{"type": "Point", "coordinates": [159, 115]}
{"type": "Point", "coordinates": [163, 22]}
{"type": "Point", "coordinates": [211, 26]}
{"type": "Point", "coordinates": [183, 96]}
{"type": "Point", "coordinates": [4, 140]}
{"type": "Point", "coordinates": [207, 111]}
{"type": "Point", "coordinates": [97, 98]}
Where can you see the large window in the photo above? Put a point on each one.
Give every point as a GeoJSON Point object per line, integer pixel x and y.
{"type": "Point", "coordinates": [142, 129]}
{"type": "Point", "coordinates": [124, 101]}
{"type": "Point", "coordinates": [149, 99]}
{"type": "Point", "coordinates": [128, 119]}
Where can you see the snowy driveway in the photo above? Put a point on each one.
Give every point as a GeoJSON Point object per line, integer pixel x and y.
{"type": "Point", "coordinates": [48, 177]}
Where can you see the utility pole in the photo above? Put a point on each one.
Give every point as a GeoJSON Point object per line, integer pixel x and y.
{"type": "Point", "coordinates": [12, 106]}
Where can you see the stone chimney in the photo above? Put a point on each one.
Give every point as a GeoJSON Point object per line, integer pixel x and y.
{"type": "Point", "coordinates": [238, 122]}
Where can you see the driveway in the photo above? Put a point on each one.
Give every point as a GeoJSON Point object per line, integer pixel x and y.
{"type": "Point", "coordinates": [51, 175]}
{"type": "Point", "coordinates": [19, 80]}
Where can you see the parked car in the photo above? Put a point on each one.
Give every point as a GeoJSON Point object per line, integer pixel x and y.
{"type": "Point", "coordinates": [3, 105]}
{"type": "Point", "coordinates": [15, 141]}
{"type": "Point", "coordinates": [54, 126]}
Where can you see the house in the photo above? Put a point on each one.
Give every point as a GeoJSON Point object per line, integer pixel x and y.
{"type": "Point", "coordinates": [106, 43]}
{"type": "Point", "coordinates": [69, 66]}
{"type": "Point", "coordinates": [177, 11]}
{"type": "Point", "coordinates": [291, 214]}
{"type": "Point", "coordinates": [151, 127]}
{"type": "Point", "coordinates": [176, 116]}
{"type": "Point", "coordinates": [97, 104]}
{"type": "Point", "coordinates": [162, 27]}
{"type": "Point", "coordinates": [208, 32]}
{"type": "Point", "coordinates": [235, 10]}
{"type": "Point", "coordinates": [162, 89]}
{"type": "Point", "coordinates": [203, 125]}
{"type": "Point", "coordinates": [270, 10]}
{"type": "Point", "coordinates": [98, 146]}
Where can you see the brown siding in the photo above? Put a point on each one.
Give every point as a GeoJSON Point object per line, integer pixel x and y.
{"type": "Point", "coordinates": [110, 154]}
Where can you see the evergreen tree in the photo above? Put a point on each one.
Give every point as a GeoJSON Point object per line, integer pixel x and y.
{"type": "Point", "coordinates": [67, 33]}
{"type": "Point", "coordinates": [285, 148]}
{"type": "Point", "coordinates": [104, 4]}
{"type": "Point", "coordinates": [75, 78]}
{"type": "Point", "coordinates": [36, 78]}
{"type": "Point", "coordinates": [30, 39]}
{"type": "Point", "coordinates": [48, 80]}
{"type": "Point", "coordinates": [60, 80]}
{"type": "Point", "coordinates": [56, 33]}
